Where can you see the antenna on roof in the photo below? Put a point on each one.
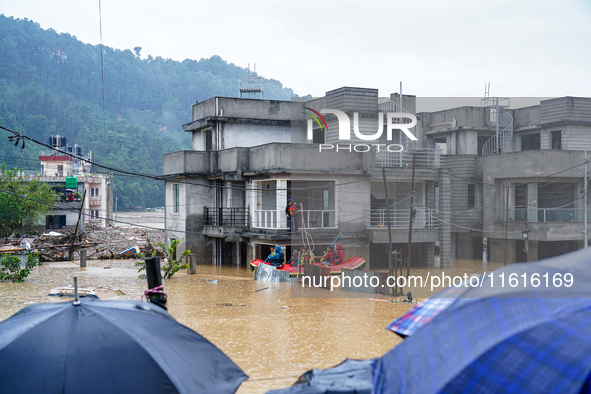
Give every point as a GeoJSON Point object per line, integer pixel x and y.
{"type": "Point", "coordinates": [252, 85]}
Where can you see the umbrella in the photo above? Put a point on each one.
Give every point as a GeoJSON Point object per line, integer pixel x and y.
{"type": "Point", "coordinates": [425, 311]}
{"type": "Point", "coordinates": [109, 347]}
{"type": "Point", "coordinates": [522, 336]}
{"type": "Point", "coordinates": [350, 376]}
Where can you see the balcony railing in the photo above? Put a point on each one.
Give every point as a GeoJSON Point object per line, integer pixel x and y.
{"type": "Point", "coordinates": [430, 158]}
{"type": "Point", "coordinates": [549, 215]}
{"type": "Point", "coordinates": [226, 217]}
{"type": "Point", "coordinates": [423, 219]}
{"type": "Point", "coordinates": [275, 219]}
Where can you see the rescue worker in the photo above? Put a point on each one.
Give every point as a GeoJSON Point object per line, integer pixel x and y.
{"type": "Point", "coordinates": [276, 257]}
{"type": "Point", "coordinates": [328, 257]}
{"type": "Point", "coordinates": [339, 255]}
{"type": "Point", "coordinates": [291, 212]}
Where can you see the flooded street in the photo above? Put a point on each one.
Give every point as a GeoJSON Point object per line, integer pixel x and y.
{"type": "Point", "coordinates": [271, 335]}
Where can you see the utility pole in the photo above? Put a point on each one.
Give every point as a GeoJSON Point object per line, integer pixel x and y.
{"type": "Point", "coordinates": [585, 232]}
{"type": "Point", "coordinates": [506, 223]}
{"type": "Point", "coordinates": [390, 265]}
{"type": "Point", "coordinates": [526, 230]}
{"type": "Point", "coordinates": [72, 248]}
{"type": "Point", "coordinates": [412, 198]}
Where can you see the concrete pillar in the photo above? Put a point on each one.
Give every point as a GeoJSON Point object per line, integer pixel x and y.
{"type": "Point", "coordinates": [281, 198]}
{"type": "Point", "coordinates": [82, 258]}
{"type": "Point", "coordinates": [430, 254]}
{"type": "Point", "coordinates": [237, 254]}
{"type": "Point", "coordinates": [192, 259]}
{"type": "Point", "coordinates": [533, 251]}
{"type": "Point", "coordinates": [497, 250]}
{"type": "Point", "coordinates": [532, 202]}
{"type": "Point", "coordinates": [250, 252]}
{"type": "Point", "coordinates": [445, 220]}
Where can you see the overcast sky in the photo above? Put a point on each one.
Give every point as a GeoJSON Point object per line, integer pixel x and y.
{"type": "Point", "coordinates": [436, 48]}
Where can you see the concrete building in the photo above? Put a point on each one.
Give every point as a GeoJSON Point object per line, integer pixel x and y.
{"type": "Point", "coordinates": [226, 198]}
{"type": "Point", "coordinates": [70, 178]}
{"type": "Point", "coordinates": [516, 174]}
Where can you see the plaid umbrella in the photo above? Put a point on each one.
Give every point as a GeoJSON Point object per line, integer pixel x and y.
{"type": "Point", "coordinates": [529, 337]}
{"type": "Point", "coordinates": [425, 311]}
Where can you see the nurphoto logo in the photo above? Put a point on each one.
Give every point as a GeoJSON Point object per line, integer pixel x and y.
{"type": "Point", "coordinates": [393, 122]}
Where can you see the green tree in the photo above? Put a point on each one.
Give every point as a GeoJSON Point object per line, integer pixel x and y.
{"type": "Point", "coordinates": [23, 202]}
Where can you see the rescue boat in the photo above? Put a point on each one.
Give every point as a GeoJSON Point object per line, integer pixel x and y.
{"type": "Point", "coordinates": [352, 263]}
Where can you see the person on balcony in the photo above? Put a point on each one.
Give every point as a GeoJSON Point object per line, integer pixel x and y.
{"type": "Point", "coordinates": [339, 255]}
{"type": "Point", "coordinates": [291, 212]}
{"type": "Point", "coordinates": [276, 257]}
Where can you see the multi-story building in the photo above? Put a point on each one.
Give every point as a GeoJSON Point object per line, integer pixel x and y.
{"type": "Point", "coordinates": [70, 178]}
{"type": "Point", "coordinates": [226, 198]}
{"type": "Point", "coordinates": [517, 176]}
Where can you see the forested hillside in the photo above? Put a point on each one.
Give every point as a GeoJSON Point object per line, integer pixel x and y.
{"type": "Point", "coordinates": [52, 83]}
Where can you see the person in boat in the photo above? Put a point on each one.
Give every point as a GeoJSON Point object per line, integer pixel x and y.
{"type": "Point", "coordinates": [328, 257]}
{"type": "Point", "coordinates": [294, 259]}
{"type": "Point", "coordinates": [276, 257]}
{"type": "Point", "coordinates": [339, 255]}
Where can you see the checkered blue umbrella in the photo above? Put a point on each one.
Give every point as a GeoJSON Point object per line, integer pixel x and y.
{"type": "Point", "coordinates": [425, 311]}
{"type": "Point", "coordinates": [526, 336]}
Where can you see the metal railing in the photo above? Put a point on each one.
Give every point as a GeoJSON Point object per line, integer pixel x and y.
{"type": "Point", "coordinates": [430, 158]}
{"type": "Point", "coordinates": [423, 219]}
{"type": "Point", "coordinates": [548, 215]}
{"type": "Point", "coordinates": [497, 143]}
{"type": "Point", "coordinates": [275, 219]}
{"type": "Point", "coordinates": [225, 217]}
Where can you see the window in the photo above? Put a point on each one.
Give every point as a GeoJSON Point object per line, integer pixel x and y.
{"type": "Point", "coordinates": [176, 197]}
{"type": "Point", "coordinates": [471, 196]}
{"type": "Point", "coordinates": [55, 221]}
{"type": "Point", "coordinates": [556, 139]}
{"type": "Point", "coordinates": [94, 214]}
{"type": "Point", "coordinates": [530, 142]}
{"type": "Point", "coordinates": [94, 192]}
{"type": "Point", "coordinates": [60, 170]}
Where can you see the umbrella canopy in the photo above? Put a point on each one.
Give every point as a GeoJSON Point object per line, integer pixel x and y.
{"type": "Point", "coordinates": [525, 337]}
{"type": "Point", "coordinates": [427, 309]}
{"type": "Point", "coordinates": [350, 376]}
{"type": "Point", "coordinates": [110, 347]}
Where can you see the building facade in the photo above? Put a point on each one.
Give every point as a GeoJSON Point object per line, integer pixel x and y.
{"type": "Point", "coordinates": [477, 175]}
{"type": "Point", "coordinates": [226, 198]}
{"type": "Point", "coordinates": [71, 178]}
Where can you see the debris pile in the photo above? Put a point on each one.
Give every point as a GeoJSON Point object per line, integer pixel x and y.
{"type": "Point", "coordinates": [111, 241]}
{"type": "Point", "coordinates": [100, 243]}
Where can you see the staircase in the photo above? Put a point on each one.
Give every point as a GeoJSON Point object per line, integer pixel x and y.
{"type": "Point", "coordinates": [503, 139]}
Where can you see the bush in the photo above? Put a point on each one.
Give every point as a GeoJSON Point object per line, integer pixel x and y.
{"type": "Point", "coordinates": [172, 266]}
{"type": "Point", "coordinates": [10, 268]}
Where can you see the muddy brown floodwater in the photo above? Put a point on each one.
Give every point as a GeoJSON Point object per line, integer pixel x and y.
{"type": "Point", "coordinates": [271, 335]}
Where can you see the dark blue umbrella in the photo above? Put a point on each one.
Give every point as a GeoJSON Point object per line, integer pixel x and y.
{"type": "Point", "coordinates": [532, 334]}
{"type": "Point", "coordinates": [350, 376]}
{"type": "Point", "coordinates": [109, 347]}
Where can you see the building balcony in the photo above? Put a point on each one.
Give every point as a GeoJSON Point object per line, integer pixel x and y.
{"type": "Point", "coordinates": [235, 163]}
{"type": "Point", "coordinates": [225, 217]}
{"type": "Point", "coordinates": [549, 215]}
{"type": "Point", "coordinates": [430, 158]}
{"type": "Point", "coordinates": [276, 219]}
{"type": "Point", "coordinates": [423, 219]}
{"type": "Point", "coordinates": [94, 201]}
